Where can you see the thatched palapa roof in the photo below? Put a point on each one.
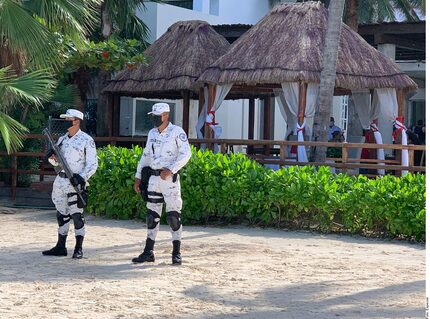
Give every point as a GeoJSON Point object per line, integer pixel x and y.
{"type": "Point", "coordinates": [287, 45]}
{"type": "Point", "coordinates": [175, 61]}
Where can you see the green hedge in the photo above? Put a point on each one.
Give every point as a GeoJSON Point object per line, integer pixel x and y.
{"type": "Point", "coordinates": [232, 188]}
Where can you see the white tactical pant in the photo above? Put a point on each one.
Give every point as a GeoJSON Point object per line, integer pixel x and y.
{"type": "Point", "coordinates": [159, 190]}
{"type": "Point", "coordinates": [61, 200]}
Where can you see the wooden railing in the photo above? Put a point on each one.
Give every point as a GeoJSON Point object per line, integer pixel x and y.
{"type": "Point", "coordinates": [271, 152]}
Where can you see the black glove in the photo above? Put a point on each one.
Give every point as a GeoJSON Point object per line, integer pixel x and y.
{"type": "Point", "coordinates": [77, 180]}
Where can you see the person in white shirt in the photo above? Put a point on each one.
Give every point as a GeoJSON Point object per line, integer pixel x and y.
{"type": "Point", "coordinates": [79, 151]}
{"type": "Point", "coordinates": [167, 151]}
{"type": "Point", "coordinates": [332, 129]}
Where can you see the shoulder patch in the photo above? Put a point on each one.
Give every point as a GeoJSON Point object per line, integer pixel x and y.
{"type": "Point", "coordinates": [92, 144]}
{"type": "Point", "coordinates": [183, 137]}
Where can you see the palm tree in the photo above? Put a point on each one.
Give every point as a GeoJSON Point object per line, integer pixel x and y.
{"type": "Point", "coordinates": [32, 88]}
{"type": "Point", "coordinates": [371, 11]}
{"type": "Point", "coordinates": [30, 53]}
{"type": "Point", "coordinates": [30, 30]}
{"type": "Point", "coordinates": [328, 76]}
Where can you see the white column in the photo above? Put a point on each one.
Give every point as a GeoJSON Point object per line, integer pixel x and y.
{"type": "Point", "coordinates": [388, 50]}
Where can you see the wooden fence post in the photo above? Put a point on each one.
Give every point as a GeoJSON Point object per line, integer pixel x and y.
{"type": "Point", "coordinates": [411, 160]}
{"type": "Point", "coordinates": [344, 158]}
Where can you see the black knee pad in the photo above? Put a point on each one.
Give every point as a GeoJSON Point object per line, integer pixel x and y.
{"type": "Point", "coordinates": [174, 220]}
{"type": "Point", "coordinates": [78, 220]}
{"type": "Point", "coordinates": [152, 219]}
{"type": "Point", "coordinates": [62, 219]}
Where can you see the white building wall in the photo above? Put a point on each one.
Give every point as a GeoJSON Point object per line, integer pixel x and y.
{"type": "Point", "coordinates": [243, 11]}
{"type": "Point", "coordinates": [159, 17]}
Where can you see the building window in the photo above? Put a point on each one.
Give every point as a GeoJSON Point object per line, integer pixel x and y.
{"type": "Point", "coordinates": [134, 118]}
{"type": "Point", "coordinates": [344, 114]}
{"type": "Point", "coordinates": [181, 3]}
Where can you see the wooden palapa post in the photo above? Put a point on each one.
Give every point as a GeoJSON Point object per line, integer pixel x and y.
{"type": "Point", "coordinates": [116, 114]}
{"type": "Point", "coordinates": [266, 128]}
{"type": "Point", "coordinates": [186, 110]}
{"type": "Point", "coordinates": [211, 100]}
{"type": "Point", "coordinates": [109, 114]}
{"type": "Point", "coordinates": [303, 86]}
{"type": "Point", "coordinates": [251, 123]}
{"type": "Point", "coordinates": [400, 94]}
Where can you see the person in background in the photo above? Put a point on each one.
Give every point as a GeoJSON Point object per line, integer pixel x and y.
{"type": "Point", "coordinates": [332, 129]}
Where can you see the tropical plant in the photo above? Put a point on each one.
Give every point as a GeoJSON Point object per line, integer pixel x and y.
{"type": "Point", "coordinates": [376, 11]}
{"type": "Point", "coordinates": [31, 53]}
{"type": "Point", "coordinates": [220, 188]}
{"type": "Point", "coordinates": [31, 88]}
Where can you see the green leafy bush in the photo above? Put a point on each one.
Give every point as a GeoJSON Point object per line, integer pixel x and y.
{"type": "Point", "coordinates": [111, 188]}
{"type": "Point", "coordinates": [234, 189]}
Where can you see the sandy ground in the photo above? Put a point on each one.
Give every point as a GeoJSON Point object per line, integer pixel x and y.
{"type": "Point", "coordinates": [226, 273]}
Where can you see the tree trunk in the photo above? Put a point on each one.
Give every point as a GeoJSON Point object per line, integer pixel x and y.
{"type": "Point", "coordinates": [351, 14]}
{"type": "Point", "coordinates": [103, 77]}
{"type": "Point", "coordinates": [328, 76]}
{"type": "Point", "coordinates": [107, 25]}
{"type": "Point", "coordinates": [102, 105]}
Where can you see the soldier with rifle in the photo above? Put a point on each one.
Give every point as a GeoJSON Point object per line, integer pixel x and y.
{"type": "Point", "coordinates": [75, 160]}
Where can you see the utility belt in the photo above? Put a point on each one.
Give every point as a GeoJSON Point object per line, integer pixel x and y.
{"type": "Point", "coordinates": [157, 172]}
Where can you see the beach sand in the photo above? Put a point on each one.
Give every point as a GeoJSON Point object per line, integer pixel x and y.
{"type": "Point", "coordinates": [227, 272]}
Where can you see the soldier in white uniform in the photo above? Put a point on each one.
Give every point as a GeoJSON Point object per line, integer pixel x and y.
{"type": "Point", "coordinates": [79, 151]}
{"type": "Point", "coordinates": [167, 151]}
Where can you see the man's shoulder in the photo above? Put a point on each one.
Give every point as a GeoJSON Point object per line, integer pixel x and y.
{"type": "Point", "coordinates": [179, 133]}
{"type": "Point", "coordinates": [177, 129]}
{"type": "Point", "coordinates": [86, 137]}
{"type": "Point", "coordinates": [152, 131]}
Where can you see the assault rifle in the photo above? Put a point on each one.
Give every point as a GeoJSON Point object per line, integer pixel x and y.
{"type": "Point", "coordinates": [63, 165]}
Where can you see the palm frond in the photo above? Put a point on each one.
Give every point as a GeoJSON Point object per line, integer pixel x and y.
{"type": "Point", "coordinates": [33, 87]}
{"type": "Point", "coordinates": [21, 33]}
{"type": "Point", "coordinates": [65, 95]}
{"type": "Point", "coordinates": [406, 7]}
{"type": "Point", "coordinates": [71, 17]}
{"type": "Point", "coordinates": [11, 132]}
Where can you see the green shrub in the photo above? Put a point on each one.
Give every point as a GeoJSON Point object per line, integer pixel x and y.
{"type": "Point", "coordinates": [234, 189]}
{"type": "Point", "coordinates": [111, 188]}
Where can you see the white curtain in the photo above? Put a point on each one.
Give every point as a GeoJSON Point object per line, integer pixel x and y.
{"type": "Point", "coordinates": [387, 102]}
{"type": "Point", "coordinates": [285, 111]}
{"type": "Point", "coordinates": [220, 94]}
{"type": "Point", "coordinates": [291, 96]}
{"type": "Point", "coordinates": [366, 110]}
{"type": "Point", "coordinates": [405, 158]}
{"type": "Point", "coordinates": [301, 150]}
{"type": "Point", "coordinates": [311, 105]}
{"type": "Point", "coordinates": [202, 116]}
{"type": "Point", "coordinates": [379, 152]}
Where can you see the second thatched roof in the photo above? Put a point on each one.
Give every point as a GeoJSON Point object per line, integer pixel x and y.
{"type": "Point", "coordinates": [287, 46]}
{"type": "Point", "coordinates": [175, 61]}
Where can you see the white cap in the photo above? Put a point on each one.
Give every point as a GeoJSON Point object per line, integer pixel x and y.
{"type": "Point", "coordinates": [73, 113]}
{"type": "Point", "coordinates": [160, 108]}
